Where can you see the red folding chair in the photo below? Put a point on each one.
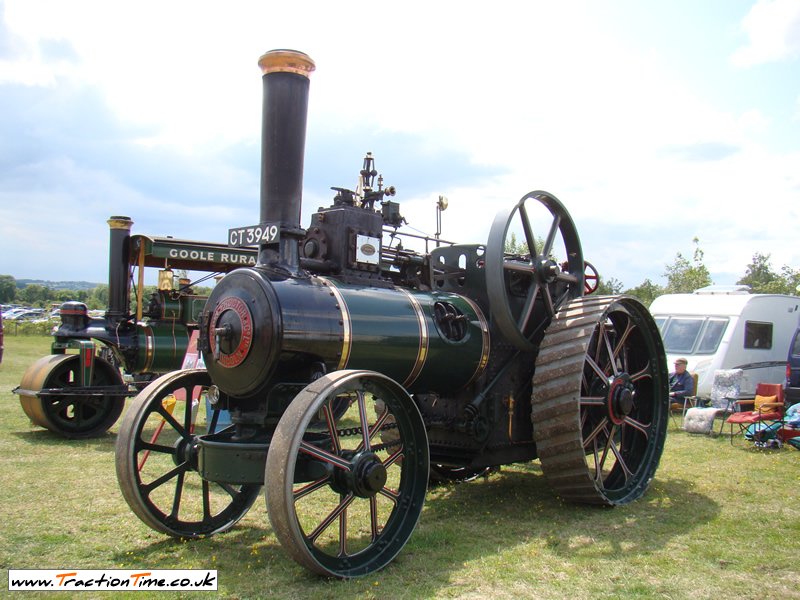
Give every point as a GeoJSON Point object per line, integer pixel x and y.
{"type": "Point", "coordinates": [768, 409]}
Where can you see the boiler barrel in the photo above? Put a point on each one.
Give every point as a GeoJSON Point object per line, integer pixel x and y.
{"type": "Point", "coordinates": [426, 341]}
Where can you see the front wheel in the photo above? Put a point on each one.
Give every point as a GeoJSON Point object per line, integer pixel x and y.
{"type": "Point", "coordinates": [156, 460]}
{"type": "Point", "coordinates": [345, 488]}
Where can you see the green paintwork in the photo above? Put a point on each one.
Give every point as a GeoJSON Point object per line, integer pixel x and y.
{"type": "Point", "coordinates": [386, 338]}
{"type": "Point", "coordinates": [168, 343]}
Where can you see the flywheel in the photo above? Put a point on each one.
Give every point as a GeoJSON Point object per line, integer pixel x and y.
{"type": "Point", "coordinates": [600, 400]}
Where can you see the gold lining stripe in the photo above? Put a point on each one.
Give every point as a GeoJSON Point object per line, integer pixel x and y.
{"type": "Point", "coordinates": [149, 343]}
{"type": "Point", "coordinates": [347, 324]}
{"type": "Point", "coordinates": [485, 338]}
{"type": "Point", "coordinates": [424, 339]}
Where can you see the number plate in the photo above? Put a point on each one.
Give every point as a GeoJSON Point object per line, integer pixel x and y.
{"type": "Point", "coordinates": [266, 233]}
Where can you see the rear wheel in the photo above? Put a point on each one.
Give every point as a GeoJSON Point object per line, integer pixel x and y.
{"type": "Point", "coordinates": [601, 400]}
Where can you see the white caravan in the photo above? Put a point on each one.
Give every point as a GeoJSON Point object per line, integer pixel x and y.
{"type": "Point", "coordinates": [727, 327]}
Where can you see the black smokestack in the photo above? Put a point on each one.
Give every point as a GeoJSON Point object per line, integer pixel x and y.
{"type": "Point", "coordinates": [283, 138]}
{"type": "Point", "coordinates": [118, 279]}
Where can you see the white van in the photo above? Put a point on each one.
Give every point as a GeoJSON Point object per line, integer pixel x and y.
{"type": "Point", "coordinates": [727, 327]}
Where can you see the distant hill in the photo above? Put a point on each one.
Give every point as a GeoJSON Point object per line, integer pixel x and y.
{"type": "Point", "coordinates": [58, 285]}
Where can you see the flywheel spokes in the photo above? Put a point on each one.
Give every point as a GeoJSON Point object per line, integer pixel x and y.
{"type": "Point", "coordinates": [527, 285]}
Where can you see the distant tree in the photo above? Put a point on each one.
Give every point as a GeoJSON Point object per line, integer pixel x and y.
{"type": "Point", "coordinates": [34, 294]}
{"type": "Point", "coordinates": [684, 277]}
{"type": "Point", "coordinates": [512, 246]}
{"type": "Point", "coordinates": [98, 297]}
{"type": "Point", "coordinates": [647, 291]}
{"type": "Point", "coordinates": [791, 279]}
{"type": "Point", "coordinates": [759, 274]}
{"type": "Point", "coordinates": [70, 295]}
{"type": "Point", "coordinates": [8, 289]}
{"type": "Point", "coordinates": [609, 287]}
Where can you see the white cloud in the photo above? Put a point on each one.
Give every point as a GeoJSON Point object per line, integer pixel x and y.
{"type": "Point", "coordinates": [538, 95]}
{"type": "Point", "coordinates": [773, 31]}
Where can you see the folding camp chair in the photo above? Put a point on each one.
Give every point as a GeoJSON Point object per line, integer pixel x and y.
{"type": "Point", "coordinates": [725, 391]}
{"type": "Point", "coordinates": [767, 413]}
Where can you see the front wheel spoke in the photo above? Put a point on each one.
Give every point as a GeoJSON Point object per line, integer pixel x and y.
{"type": "Point", "coordinates": [331, 423]}
{"type": "Point", "coordinates": [181, 468]}
{"type": "Point", "coordinates": [167, 416]}
{"type": "Point", "coordinates": [310, 487]}
{"type": "Point", "coordinates": [343, 533]}
{"type": "Point", "coordinates": [155, 448]}
{"type": "Point", "coordinates": [187, 412]}
{"type": "Point", "coordinates": [176, 502]}
{"type": "Point", "coordinates": [398, 454]}
{"type": "Point", "coordinates": [391, 494]}
{"type": "Point", "coordinates": [376, 427]}
{"type": "Point", "coordinates": [362, 412]}
{"type": "Point", "coordinates": [231, 491]}
{"type": "Point", "coordinates": [334, 514]}
{"type": "Point", "coordinates": [206, 501]}
{"type": "Point", "coordinates": [373, 517]}
{"type": "Point", "coordinates": [324, 456]}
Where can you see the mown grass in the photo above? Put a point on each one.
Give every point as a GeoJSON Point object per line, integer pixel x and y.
{"type": "Point", "coordinates": [718, 521]}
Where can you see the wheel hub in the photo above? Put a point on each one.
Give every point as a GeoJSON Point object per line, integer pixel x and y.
{"type": "Point", "coordinates": [547, 270]}
{"type": "Point", "coordinates": [366, 477]}
{"type": "Point", "coordinates": [620, 398]}
{"type": "Point", "coordinates": [186, 451]}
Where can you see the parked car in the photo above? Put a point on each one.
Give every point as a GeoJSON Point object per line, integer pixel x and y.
{"type": "Point", "coordinates": [26, 315]}
{"type": "Point", "coordinates": [792, 393]}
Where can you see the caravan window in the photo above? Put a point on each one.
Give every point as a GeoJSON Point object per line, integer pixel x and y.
{"type": "Point", "coordinates": [681, 334]}
{"type": "Point", "coordinates": [685, 335]}
{"type": "Point", "coordinates": [712, 336]}
{"type": "Point", "coordinates": [757, 335]}
{"type": "Point", "coordinates": [660, 323]}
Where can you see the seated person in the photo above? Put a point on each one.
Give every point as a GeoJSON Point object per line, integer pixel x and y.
{"type": "Point", "coordinates": [681, 383]}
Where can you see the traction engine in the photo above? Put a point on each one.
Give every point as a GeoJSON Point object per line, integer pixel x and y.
{"type": "Point", "coordinates": [354, 370]}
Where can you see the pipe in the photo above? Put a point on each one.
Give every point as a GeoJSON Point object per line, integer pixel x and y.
{"type": "Point", "coordinates": [118, 280]}
{"type": "Point", "coordinates": [283, 133]}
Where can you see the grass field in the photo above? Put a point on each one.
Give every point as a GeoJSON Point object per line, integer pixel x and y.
{"type": "Point", "coordinates": [718, 521]}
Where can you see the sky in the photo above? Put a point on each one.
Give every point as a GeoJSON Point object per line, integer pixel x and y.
{"type": "Point", "coordinates": [653, 122]}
